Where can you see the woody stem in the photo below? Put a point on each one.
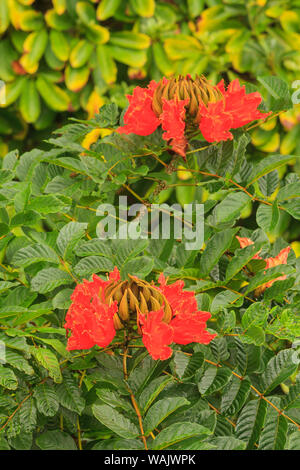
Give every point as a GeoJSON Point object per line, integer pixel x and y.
{"type": "Point", "coordinates": [133, 400]}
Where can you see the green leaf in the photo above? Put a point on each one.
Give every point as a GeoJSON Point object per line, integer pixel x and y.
{"type": "Point", "coordinates": [235, 395]}
{"type": "Point", "coordinates": [69, 236]}
{"type": "Point", "coordinates": [113, 399]}
{"type": "Point", "coordinates": [178, 432]}
{"type": "Point", "coordinates": [62, 300]}
{"type": "Point", "coordinates": [161, 410]}
{"type": "Point", "coordinates": [48, 279]}
{"type": "Point", "coordinates": [55, 440]}
{"type": "Point", "coordinates": [279, 96]}
{"type": "Point", "coordinates": [262, 278]}
{"type": "Point", "coordinates": [46, 399]}
{"type": "Point", "coordinates": [226, 299]}
{"type": "Point", "coordinates": [48, 204]}
{"type": "Point", "coordinates": [247, 356]}
{"type": "Point", "coordinates": [230, 208]}
{"type": "Point", "coordinates": [34, 254]}
{"type": "Point", "coordinates": [219, 348]}
{"type": "Point", "coordinates": [18, 362]}
{"type": "Point", "coordinates": [293, 208]}
{"type": "Point", "coordinates": [213, 379]}
{"type": "Point", "coordinates": [216, 246]}
{"type": "Point", "coordinates": [278, 369]}
{"type": "Point", "coordinates": [69, 395]}
{"type": "Point", "coordinates": [151, 392]}
{"type": "Point", "coordinates": [93, 264]}
{"type": "Point", "coordinates": [186, 366]}
{"type": "Point", "coordinates": [8, 378]}
{"type": "Point", "coordinates": [254, 334]}
{"type": "Point", "coordinates": [94, 247]}
{"type": "Point", "coordinates": [128, 249]}
{"type": "Point", "coordinates": [108, 115]}
{"type": "Point", "coordinates": [267, 217]}
{"type": "Point", "coordinates": [48, 360]}
{"type": "Point", "coordinates": [269, 183]}
{"type": "Point", "coordinates": [130, 57]}
{"type": "Point", "coordinates": [268, 164]}
{"type": "Point", "coordinates": [241, 258]}
{"type": "Point", "coordinates": [140, 267]}
{"type": "Point", "coordinates": [27, 218]}
{"type": "Point", "coordinates": [289, 191]}
{"type": "Point", "coordinates": [227, 443]}
{"type": "Point", "coordinates": [115, 421]}
{"type": "Point", "coordinates": [148, 368]}
{"type": "Point", "coordinates": [56, 344]}
{"type": "Point", "coordinates": [3, 443]}
{"type": "Point", "coordinates": [107, 8]}
{"type": "Point", "coordinates": [273, 436]}
{"type": "Point", "coordinates": [293, 441]}
{"type": "Point", "coordinates": [250, 422]}
{"type": "Point", "coordinates": [28, 415]}
{"type": "Point", "coordinates": [256, 315]}
{"type": "Point", "coordinates": [292, 399]}
{"type": "Point", "coordinates": [30, 104]}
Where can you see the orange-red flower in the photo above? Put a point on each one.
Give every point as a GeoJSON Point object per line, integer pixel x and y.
{"type": "Point", "coordinates": [172, 121]}
{"type": "Point", "coordinates": [244, 241]}
{"type": "Point", "coordinates": [182, 104]}
{"type": "Point", "coordinates": [281, 258]}
{"type": "Point", "coordinates": [89, 319]}
{"type": "Point", "coordinates": [164, 314]}
{"type": "Point", "coordinates": [139, 118]}
{"type": "Point", "coordinates": [157, 335]}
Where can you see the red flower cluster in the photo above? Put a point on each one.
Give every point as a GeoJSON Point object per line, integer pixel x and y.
{"type": "Point", "coordinates": [214, 110]}
{"type": "Point", "coordinates": [91, 319]}
{"type": "Point", "coordinates": [281, 258]}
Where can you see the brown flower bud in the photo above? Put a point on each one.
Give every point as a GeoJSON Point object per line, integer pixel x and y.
{"type": "Point", "coordinates": [135, 296]}
{"type": "Point", "coordinates": [196, 91]}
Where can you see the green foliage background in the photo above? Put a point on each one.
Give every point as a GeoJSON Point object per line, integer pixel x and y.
{"type": "Point", "coordinates": [240, 392]}
{"type": "Point", "coordinates": [65, 50]}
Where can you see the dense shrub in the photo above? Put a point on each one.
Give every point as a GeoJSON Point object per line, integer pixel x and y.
{"type": "Point", "coordinates": [239, 390]}
{"type": "Point", "coordinates": [70, 56]}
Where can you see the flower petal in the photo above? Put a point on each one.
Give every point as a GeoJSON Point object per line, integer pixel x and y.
{"type": "Point", "coordinates": [140, 118]}
{"type": "Point", "coordinates": [172, 120]}
{"type": "Point", "coordinates": [191, 328]}
{"type": "Point", "coordinates": [215, 122]}
{"type": "Point", "coordinates": [281, 258]}
{"type": "Point", "coordinates": [89, 319]}
{"type": "Point", "coordinates": [179, 300]}
{"type": "Point", "coordinates": [244, 241]}
{"type": "Point", "coordinates": [157, 335]}
{"type": "Point", "coordinates": [242, 106]}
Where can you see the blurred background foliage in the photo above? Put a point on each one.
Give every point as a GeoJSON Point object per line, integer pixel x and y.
{"type": "Point", "coordinates": [64, 58]}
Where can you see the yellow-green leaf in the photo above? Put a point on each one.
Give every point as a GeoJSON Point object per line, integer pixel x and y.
{"type": "Point", "coordinates": [130, 39]}
{"type": "Point", "coordinates": [97, 34]}
{"type": "Point", "coordinates": [4, 16]}
{"type": "Point", "coordinates": [30, 105]}
{"type": "Point", "coordinates": [81, 53]}
{"type": "Point", "coordinates": [76, 79]}
{"type": "Point", "coordinates": [144, 8]}
{"type": "Point", "coordinates": [56, 98]}
{"type": "Point", "coordinates": [128, 56]}
{"type": "Point", "coordinates": [60, 45]}
{"type": "Point", "coordinates": [107, 8]}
